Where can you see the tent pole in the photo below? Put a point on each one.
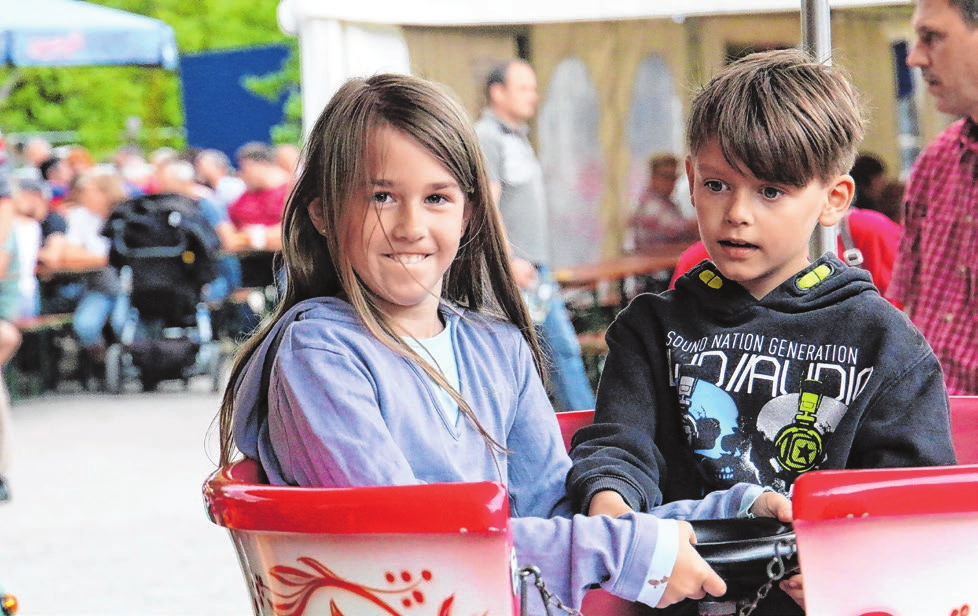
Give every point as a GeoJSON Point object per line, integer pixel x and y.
{"type": "Point", "coordinates": [816, 32]}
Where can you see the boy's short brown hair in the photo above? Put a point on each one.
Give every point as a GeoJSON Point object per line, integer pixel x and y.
{"type": "Point", "coordinates": [782, 115]}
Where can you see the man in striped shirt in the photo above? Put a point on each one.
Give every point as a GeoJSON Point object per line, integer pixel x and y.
{"type": "Point", "coordinates": [936, 273]}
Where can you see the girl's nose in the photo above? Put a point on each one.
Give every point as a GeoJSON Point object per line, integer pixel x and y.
{"type": "Point", "coordinates": [410, 222]}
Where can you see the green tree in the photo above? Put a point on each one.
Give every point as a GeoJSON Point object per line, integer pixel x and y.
{"type": "Point", "coordinates": [94, 104]}
{"type": "Point", "coordinates": [272, 86]}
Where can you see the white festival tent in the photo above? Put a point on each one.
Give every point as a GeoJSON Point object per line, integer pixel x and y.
{"type": "Point", "coordinates": [340, 40]}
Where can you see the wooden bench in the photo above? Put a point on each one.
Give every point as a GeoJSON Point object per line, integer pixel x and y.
{"type": "Point", "coordinates": [34, 368]}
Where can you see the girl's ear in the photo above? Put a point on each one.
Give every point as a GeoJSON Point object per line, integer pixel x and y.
{"type": "Point", "coordinates": [315, 209]}
{"type": "Point", "coordinates": [840, 193]}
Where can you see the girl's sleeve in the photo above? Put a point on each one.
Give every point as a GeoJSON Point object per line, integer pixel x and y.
{"type": "Point", "coordinates": [326, 425]}
{"type": "Point", "coordinates": [630, 556]}
{"type": "Point", "coordinates": [537, 462]}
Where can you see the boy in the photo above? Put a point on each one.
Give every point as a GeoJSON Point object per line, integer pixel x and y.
{"type": "Point", "coordinates": [761, 365]}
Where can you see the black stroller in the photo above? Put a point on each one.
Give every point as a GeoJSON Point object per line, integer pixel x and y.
{"type": "Point", "coordinates": [166, 252]}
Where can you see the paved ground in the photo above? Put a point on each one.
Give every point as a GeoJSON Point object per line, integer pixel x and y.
{"type": "Point", "coordinates": [107, 517]}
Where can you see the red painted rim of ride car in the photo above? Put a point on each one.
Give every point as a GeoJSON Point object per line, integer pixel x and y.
{"type": "Point", "coordinates": [236, 499]}
{"type": "Point", "coordinates": [924, 491]}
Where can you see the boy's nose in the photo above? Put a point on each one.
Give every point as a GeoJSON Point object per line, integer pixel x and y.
{"type": "Point", "coordinates": [738, 212]}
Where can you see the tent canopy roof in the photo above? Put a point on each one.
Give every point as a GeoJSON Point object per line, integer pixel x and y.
{"type": "Point", "coordinates": [74, 33]}
{"type": "Point", "coordinates": [501, 12]}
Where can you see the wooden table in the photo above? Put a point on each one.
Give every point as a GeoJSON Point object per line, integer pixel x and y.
{"type": "Point", "coordinates": [606, 277]}
{"type": "Point", "coordinates": [590, 275]}
{"type": "Point", "coordinates": [69, 269]}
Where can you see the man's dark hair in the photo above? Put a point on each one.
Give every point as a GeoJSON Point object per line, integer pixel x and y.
{"type": "Point", "coordinates": [497, 74]}
{"type": "Point", "coordinates": [45, 167]}
{"type": "Point", "coordinates": [969, 9]}
{"type": "Point", "coordinates": [257, 151]}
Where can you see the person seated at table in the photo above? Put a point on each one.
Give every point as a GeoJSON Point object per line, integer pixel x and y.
{"type": "Point", "coordinates": [58, 175]}
{"type": "Point", "coordinates": [94, 196]}
{"type": "Point", "coordinates": [762, 364]}
{"type": "Point", "coordinates": [215, 172]}
{"type": "Point", "coordinates": [30, 198]}
{"type": "Point", "coordinates": [257, 213]}
{"type": "Point", "coordinates": [657, 218]}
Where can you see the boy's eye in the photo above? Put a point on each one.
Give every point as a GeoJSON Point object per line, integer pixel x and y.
{"type": "Point", "coordinates": [713, 185]}
{"type": "Point", "coordinates": [770, 192]}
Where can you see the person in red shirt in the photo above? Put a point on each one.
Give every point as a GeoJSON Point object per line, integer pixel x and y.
{"type": "Point", "coordinates": [874, 235]}
{"type": "Point", "coordinates": [257, 213]}
{"type": "Point", "coordinates": [935, 276]}
{"type": "Point", "coordinates": [262, 203]}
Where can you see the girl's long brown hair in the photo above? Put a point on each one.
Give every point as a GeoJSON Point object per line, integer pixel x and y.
{"type": "Point", "coordinates": [336, 169]}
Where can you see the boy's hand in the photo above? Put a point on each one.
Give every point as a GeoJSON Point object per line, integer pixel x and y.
{"type": "Point", "coordinates": [793, 587]}
{"type": "Point", "coordinates": [608, 502]}
{"type": "Point", "coordinates": [691, 577]}
{"type": "Point", "coordinates": [772, 505]}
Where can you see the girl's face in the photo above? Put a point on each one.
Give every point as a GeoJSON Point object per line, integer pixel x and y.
{"type": "Point", "coordinates": [403, 231]}
{"type": "Point", "coordinates": [756, 232]}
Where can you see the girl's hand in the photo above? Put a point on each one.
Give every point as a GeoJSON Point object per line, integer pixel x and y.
{"type": "Point", "coordinates": [772, 505]}
{"type": "Point", "coordinates": [691, 577]}
{"type": "Point", "coordinates": [608, 502]}
{"type": "Point", "coordinates": [793, 587]}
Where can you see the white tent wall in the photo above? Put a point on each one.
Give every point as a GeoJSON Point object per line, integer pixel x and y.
{"type": "Point", "coordinates": [449, 48]}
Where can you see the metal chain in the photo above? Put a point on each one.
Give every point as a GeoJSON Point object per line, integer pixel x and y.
{"type": "Point", "coordinates": [775, 571]}
{"type": "Point", "coordinates": [550, 600]}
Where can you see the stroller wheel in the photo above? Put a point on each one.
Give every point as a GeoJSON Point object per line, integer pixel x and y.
{"type": "Point", "coordinates": [113, 369]}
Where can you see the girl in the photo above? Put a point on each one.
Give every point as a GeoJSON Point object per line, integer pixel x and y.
{"type": "Point", "coordinates": [401, 352]}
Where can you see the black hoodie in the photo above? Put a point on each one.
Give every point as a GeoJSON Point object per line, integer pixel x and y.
{"type": "Point", "coordinates": [705, 386]}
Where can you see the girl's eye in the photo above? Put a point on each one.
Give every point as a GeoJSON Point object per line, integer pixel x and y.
{"type": "Point", "coordinates": [382, 197]}
{"type": "Point", "coordinates": [436, 199]}
{"type": "Point", "coordinates": [713, 185]}
{"type": "Point", "coordinates": [769, 192]}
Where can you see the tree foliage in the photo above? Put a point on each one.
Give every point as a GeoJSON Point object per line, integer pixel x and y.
{"type": "Point", "coordinates": [94, 104]}
{"type": "Point", "coordinates": [272, 86]}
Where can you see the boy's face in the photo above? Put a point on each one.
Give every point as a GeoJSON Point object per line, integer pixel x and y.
{"type": "Point", "coordinates": [756, 232]}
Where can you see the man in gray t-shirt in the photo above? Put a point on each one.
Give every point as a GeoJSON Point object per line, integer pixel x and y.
{"type": "Point", "coordinates": [517, 187]}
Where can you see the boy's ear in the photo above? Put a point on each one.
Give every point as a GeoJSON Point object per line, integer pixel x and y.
{"type": "Point", "coordinates": [315, 209]}
{"type": "Point", "coordinates": [690, 178]}
{"type": "Point", "coordinates": [840, 193]}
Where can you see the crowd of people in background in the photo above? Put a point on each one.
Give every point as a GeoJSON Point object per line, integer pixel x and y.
{"type": "Point", "coordinates": [56, 200]}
